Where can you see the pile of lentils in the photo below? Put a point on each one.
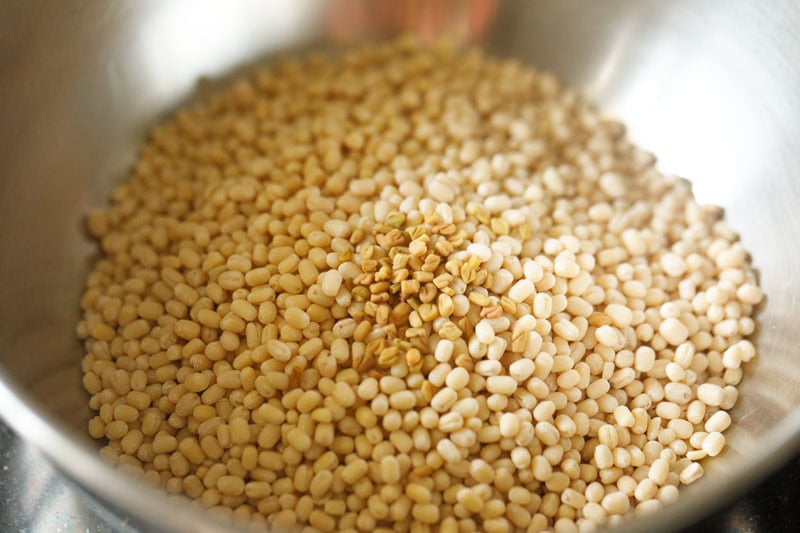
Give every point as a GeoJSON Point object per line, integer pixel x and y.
{"type": "Point", "coordinates": [411, 288]}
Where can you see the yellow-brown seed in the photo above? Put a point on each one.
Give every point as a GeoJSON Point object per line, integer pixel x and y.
{"type": "Point", "coordinates": [288, 321]}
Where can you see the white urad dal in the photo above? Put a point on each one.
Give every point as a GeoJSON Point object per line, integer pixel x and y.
{"type": "Point", "coordinates": [411, 289]}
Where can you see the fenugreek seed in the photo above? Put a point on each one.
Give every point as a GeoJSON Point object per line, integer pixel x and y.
{"type": "Point", "coordinates": [389, 356]}
{"type": "Point", "coordinates": [450, 331]}
{"type": "Point", "coordinates": [414, 359]}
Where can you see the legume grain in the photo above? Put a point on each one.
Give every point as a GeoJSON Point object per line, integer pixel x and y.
{"type": "Point", "coordinates": [411, 287]}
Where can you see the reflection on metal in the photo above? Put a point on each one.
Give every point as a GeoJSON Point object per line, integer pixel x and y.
{"type": "Point", "coordinates": [178, 41]}
{"type": "Point", "coordinates": [35, 497]}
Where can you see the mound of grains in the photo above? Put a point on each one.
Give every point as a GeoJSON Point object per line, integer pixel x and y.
{"type": "Point", "coordinates": [410, 289]}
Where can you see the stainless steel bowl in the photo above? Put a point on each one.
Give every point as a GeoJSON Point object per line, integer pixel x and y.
{"type": "Point", "coordinates": [711, 87]}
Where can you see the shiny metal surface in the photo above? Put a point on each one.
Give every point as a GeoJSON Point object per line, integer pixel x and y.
{"type": "Point", "coordinates": [710, 87]}
{"type": "Point", "coordinates": [35, 497]}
